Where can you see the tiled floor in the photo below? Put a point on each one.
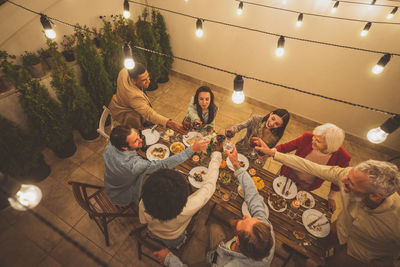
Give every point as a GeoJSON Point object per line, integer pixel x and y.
{"type": "Point", "coordinates": [25, 241]}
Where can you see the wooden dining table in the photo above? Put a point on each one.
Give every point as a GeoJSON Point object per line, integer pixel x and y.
{"type": "Point", "coordinates": [316, 249]}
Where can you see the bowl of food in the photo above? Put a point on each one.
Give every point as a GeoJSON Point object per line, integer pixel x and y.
{"type": "Point", "coordinates": [225, 177]}
{"type": "Point", "coordinates": [177, 147]}
{"type": "Point", "coordinates": [277, 203]}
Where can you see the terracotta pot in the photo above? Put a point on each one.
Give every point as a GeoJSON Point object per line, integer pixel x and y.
{"type": "Point", "coordinates": [164, 78]}
{"type": "Point", "coordinates": [153, 86]}
{"type": "Point", "coordinates": [66, 150]}
{"type": "Point", "coordinates": [93, 134]}
{"type": "Point", "coordinates": [41, 171]}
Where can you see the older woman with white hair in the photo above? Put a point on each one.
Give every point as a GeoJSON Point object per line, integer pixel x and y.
{"type": "Point", "coordinates": [323, 146]}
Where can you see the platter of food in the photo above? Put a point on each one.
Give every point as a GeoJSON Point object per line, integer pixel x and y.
{"type": "Point", "coordinates": [190, 138]}
{"type": "Point", "coordinates": [285, 187]}
{"type": "Point", "coordinates": [243, 161]}
{"type": "Point", "coordinates": [277, 203]}
{"type": "Point", "coordinates": [177, 147]}
{"type": "Point", "coordinates": [225, 176]}
{"type": "Point", "coordinates": [196, 176]}
{"type": "Point", "coordinates": [306, 199]}
{"type": "Point", "coordinates": [245, 209]}
{"type": "Point", "coordinates": [157, 152]}
{"type": "Point", "coordinates": [316, 223]}
{"type": "Point", "coordinates": [152, 137]}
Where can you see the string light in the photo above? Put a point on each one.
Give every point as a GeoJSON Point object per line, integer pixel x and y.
{"type": "Point", "coordinates": [378, 68]}
{"type": "Point", "coordinates": [391, 15]}
{"type": "Point", "coordinates": [199, 28]}
{"type": "Point", "coordinates": [299, 20]}
{"type": "Point", "coordinates": [364, 32]}
{"type": "Point", "coordinates": [48, 30]}
{"type": "Point", "coordinates": [335, 7]}
{"type": "Point", "coordinates": [379, 135]}
{"type": "Point", "coordinates": [238, 95]}
{"type": "Point", "coordinates": [373, 2]}
{"type": "Point", "coordinates": [280, 50]}
{"type": "Point", "coordinates": [126, 12]}
{"type": "Point", "coordinates": [128, 59]}
{"type": "Point", "coordinates": [239, 10]}
{"type": "Point", "coordinates": [28, 196]}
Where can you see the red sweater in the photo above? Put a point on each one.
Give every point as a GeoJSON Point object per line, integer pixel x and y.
{"type": "Point", "coordinates": [303, 147]}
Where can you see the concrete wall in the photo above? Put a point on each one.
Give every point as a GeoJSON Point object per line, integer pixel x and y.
{"type": "Point", "coordinates": [330, 71]}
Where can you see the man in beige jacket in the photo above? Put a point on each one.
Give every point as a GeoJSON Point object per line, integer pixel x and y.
{"type": "Point", "coordinates": [131, 106]}
{"type": "Point", "coordinates": [368, 227]}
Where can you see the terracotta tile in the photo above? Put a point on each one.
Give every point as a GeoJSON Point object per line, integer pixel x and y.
{"type": "Point", "coordinates": [68, 255]}
{"type": "Point", "coordinates": [95, 165]}
{"type": "Point", "coordinates": [81, 154]}
{"type": "Point", "coordinates": [49, 262]}
{"type": "Point", "coordinates": [62, 169]}
{"type": "Point", "coordinates": [80, 175]}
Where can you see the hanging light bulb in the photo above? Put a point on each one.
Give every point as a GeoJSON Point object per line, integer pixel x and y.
{"type": "Point", "coordinates": [378, 135]}
{"type": "Point", "coordinates": [126, 12]}
{"type": "Point", "coordinates": [373, 2]}
{"type": "Point", "coordinates": [378, 68]}
{"type": "Point", "coordinates": [239, 11]}
{"type": "Point", "coordinates": [284, 2]}
{"type": "Point", "coordinates": [335, 6]}
{"type": "Point", "coordinates": [50, 33]}
{"type": "Point", "coordinates": [238, 95]}
{"type": "Point", "coordinates": [186, 1]}
{"type": "Point", "coordinates": [389, 16]}
{"type": "Point", "coordinates": [128, 61]}
{"type": "Point", "coordinates": [28, 196]}
{"type": "Point", "coordinates": [364, 32]}
{"type": "Point", "coordinates": [199, 28]}
{"type": "Point", "coordinates": [280, 50]}
{"type": "Point", "coordinates": [299, 20]}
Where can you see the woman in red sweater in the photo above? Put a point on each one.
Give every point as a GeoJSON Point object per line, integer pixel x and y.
{"type": "Point", "coordinates": [323, 146]}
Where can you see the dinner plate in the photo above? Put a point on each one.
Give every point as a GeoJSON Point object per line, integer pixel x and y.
{"type": "Point", "coordinates": [151, 137]}
{"type": "Point", "coordinates": [245, 209]}
{"type": "Point", "coordinates": [242, 158]}
{"type": "Point", "coordinates": [320, 231]}
{"type": "Point", "coordinates": [152, 156]}
{"type": "Point", "coordinates": [279, 183]}
{"type": "Point", "coordinates": [272, 207]}
{"type": "Point", "coordinates": [302, 197]}
{"type": "Point", "coordinates": [197, 169]}
{"type": "Point", "coordinates": [190, 138]}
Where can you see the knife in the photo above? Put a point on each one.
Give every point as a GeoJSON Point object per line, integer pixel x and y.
{"type": "Point", "coordinates": [316, 220]}
{"type": "Point", "coordinates": [288, 189]}
{"type": "Point", "coordinates": [152, 128]}
{"type": "Point", "coordinates": [283, 189]}
{"type": "Point", "coordinates": [321, 224]}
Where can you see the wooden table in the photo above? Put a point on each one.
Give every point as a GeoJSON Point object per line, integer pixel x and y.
{"type": "Point", "coordinates": [316, 249]}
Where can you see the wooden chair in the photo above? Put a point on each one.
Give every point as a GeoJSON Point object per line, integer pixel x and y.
{"type": "Point", "coordinates": [95, 201]}
{"type": "Point", "coordinates": [143, 238]}
{"type": "Point", "coordinates": [102, 123]}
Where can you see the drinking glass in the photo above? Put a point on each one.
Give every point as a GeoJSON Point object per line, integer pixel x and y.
{"type": "Point", "coordinates": [228, 145]}
{"type": "Point", "coordinates": [253, 154]}
{"type": "Point", "coordinates": [291, 214]}
{"type": "Point", "coordinates": [259, 160]}
{"type": "Point", "coordinates": [187, 124]}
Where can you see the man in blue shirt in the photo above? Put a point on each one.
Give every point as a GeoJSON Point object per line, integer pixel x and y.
{"type": "Point", "coordinates": [125, 169]}
{"type": "Point", "coordinates": [253, 243]}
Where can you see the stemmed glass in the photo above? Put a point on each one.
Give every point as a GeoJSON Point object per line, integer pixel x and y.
{"type": "Point", "coordinates": [187, 124]}
{"type": "Point", "coordinates": [228, 145]}
{"type": "Point", "coordinates": [253, 144]}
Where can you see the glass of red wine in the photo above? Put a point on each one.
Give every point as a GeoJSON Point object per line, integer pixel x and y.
{"type": "Point", "coordinates": [259, 157]}
{"type": "Point", "coordinates": [229, 134]}
{"type": "Point", "coordinates": [196, 125]}
{"type": "Point", "coordinates": [253, 144]}
{"type": "Point", "coordinates": [187, 124]}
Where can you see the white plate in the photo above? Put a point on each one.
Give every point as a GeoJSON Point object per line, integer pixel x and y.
{"type": "Point", "coordinates": [154, 157]}
{"type": "Point", "coordinates": [151, 137]}
{"type": "Point", "coordinates": [312, 214]}
{"type": "Point", "coordinates": [278, 184]}
{"type": "Point", "coordinates": [245, 209]}
{"type": "Point", "coordinates": [302, 197]}
{"type": "Point", "coordinates": [197, 170]}
{"type": "Point", "coordinates": [188, 138]}
{"type": "Point", "coordinates": [241, 157]}
{"type": "Point", "coordinates": [272, 207]}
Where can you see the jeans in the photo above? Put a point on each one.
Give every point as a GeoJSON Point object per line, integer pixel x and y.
{"type": "Point", "coordinates": [171, 243]}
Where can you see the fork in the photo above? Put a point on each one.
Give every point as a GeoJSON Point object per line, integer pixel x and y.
{"type": "Point", "coordinates": [288, 188]}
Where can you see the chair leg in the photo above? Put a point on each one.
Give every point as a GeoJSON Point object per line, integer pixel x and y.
{"type": "Point", "coordinates": [106, 231]}
{"type": "Point", "coordinates": [209, 214]}
{"type": "Point", "coordinates": [139, 250]}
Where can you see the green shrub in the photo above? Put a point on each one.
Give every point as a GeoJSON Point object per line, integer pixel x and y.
{"type": "Point", "coordinates": [30, 59]}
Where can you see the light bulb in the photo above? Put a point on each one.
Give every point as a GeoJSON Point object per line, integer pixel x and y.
{"type": "Point", "coordinates": [238, 97]}
{"type": "Point", "coordinates": [126, 14]}
{"type": "Point", "coordinates": [28, 196]}
{"type": "Point", "coordinates": [366, 29]}
{"type": "Point", "coordinates": [199, 33]}
{"type": "Point", "coordinates": [199, 28]}
{"type": "Point", "coordinates": [50, 33]}
{"type": "Point", "coordinates": [377, 69]}
{"type": "Point", "coordinates": [364, 33]}
{"type": "Point", "coordinates": [284, 2]}
{"type": "Point", "coordinates": [333, 10]}
{"type": "Point", "coordinates": [390, 16]}
{"type": "Point", "coordinates": [129, 63]}
{"type": "Point", "coordinates": [335, 6]}
{"type": "Point", "coordinates": [377, 135]}
{"type": "Point", "coordinates": [299, 20]}
{"type": "Point", "coordinates": [298, 23]}
{"type": "Point", "coordinates": [186, 0]}
{"type": "Point", "coordinates": [383, 61]}
{"type": "Point", "coordinates": [280, 47]}
{"type": "Point", "coordinates": [239, 10]}
{"type": "Point", "coordinates": [280, 51]}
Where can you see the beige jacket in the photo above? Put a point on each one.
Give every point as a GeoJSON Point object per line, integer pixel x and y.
{"type": "Point", "coordinates": [172, 229]}
{"type": "Point", "coordinates": [369, 233]}
{"type": "Point", "coordinates": [131, 106]}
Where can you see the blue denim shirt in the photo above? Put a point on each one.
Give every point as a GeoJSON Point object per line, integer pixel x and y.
{"type": "Point", "coordinates": [225, 256]}
{"type": "Point", "coordinates": [125, 171]}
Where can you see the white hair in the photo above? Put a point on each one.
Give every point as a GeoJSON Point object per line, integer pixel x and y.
{"type": "Point", "coordinates": [385, 177]}
{"type": "Point", "coordinates": [333, 135]}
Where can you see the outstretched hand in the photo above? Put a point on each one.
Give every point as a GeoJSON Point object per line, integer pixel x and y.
{"type": "Point", "coordinates": [200, 145]}
{"type": "Point", "coordinates": [176, 127]}
{"type": "Point", "coordinates": [261, 146]}
{"type": "Point", "coordinates": [161, 254]}
{"type": "Point", "coordinates": [233, 157]}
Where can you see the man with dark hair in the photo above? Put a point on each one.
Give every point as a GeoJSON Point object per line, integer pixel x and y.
{"type": "Point", "coordinates": [130, 104]}
{"type": "Point", "coordinates": [166, 206]}
{"type": "Point", "coordinates": [254, 240]}
{"type": "Point", "coordinates": [125, 169]}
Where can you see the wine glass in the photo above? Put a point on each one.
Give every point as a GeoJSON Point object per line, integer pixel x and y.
{"type": "Point", "coordinates": [196, 125]}
{"type": "Point", "coordinates": [253, 154]}
{"type": "Point", "coordinates": [228, 145]}
{"type": "Point", "coordinates": [187, 124]}
{"type": "Point", "coordinates": [259, 160]}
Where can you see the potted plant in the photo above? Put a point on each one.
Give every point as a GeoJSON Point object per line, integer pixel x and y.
{"type": "Point", "coordinates": [44, 54]}
{"type": "Point", "coordinates": [68, 47]}
{"type": "Point", "coordinates": [94, 76]}
{"type": "Point", "coordinates": [77, 104]}
{"type": "Point", "coordinates": [32, 62]}
{"type": "Point", "coordinates": [159, 26]}
{"type": "Point", "coordinates": [21, 153]}
{"type": "Point", "coordinates": [146, 33]}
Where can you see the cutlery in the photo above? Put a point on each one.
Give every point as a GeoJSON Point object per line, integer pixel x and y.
{"type": "Point", "coordinates": [316, 220]}
{"type": "Point", "coordinates": [288, 189]}
{"type": "Point", "coordinates": [321, 224]}
{"type": "Point", "coordinates": [152, 128]}
{"type": "Point", "coordinates": [283, 189]}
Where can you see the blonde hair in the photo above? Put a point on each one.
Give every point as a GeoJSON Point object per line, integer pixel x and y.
{"type": "Point", "coordinates": [333, 135]}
